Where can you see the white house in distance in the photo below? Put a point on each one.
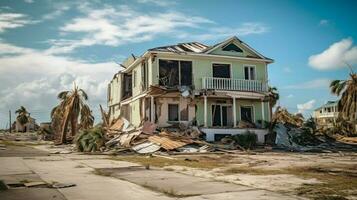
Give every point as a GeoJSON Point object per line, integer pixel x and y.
{"type": "Point", "coordinates": [326, 115]}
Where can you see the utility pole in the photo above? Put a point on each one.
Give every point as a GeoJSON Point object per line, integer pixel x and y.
{"type": "Point", "coordinates": [10, 121]}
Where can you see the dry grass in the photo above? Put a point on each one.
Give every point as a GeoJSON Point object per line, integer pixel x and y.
{"type": "Point", "coordinates": [336, 183]}
{"type": "Point", "coordinates": [163, 162]}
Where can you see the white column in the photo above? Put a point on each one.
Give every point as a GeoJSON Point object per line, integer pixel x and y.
{"type": "Point", "coordinates": [205, 110]}
{"type": "Point", "coordinates": [152, 106]}
{"type": "Point", "coordinates": [269, 112]}
{"type": "Point", "coordinates": [263, 114]}
{"type": "Point", "coordinates": [234, 113]}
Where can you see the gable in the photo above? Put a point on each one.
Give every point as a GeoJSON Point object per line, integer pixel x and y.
{"type": "Point", "coordinates": [234, 47]}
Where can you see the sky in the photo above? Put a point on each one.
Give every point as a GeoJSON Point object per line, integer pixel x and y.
{"type": "Point", "coordinates": [46, 45]}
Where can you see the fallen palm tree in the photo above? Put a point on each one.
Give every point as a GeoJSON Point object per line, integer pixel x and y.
{"type": "Point", "coordinates": [71, 110]}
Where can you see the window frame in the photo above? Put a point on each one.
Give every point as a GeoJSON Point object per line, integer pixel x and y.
{"type": "Point", "coordinates": [222, 63]}
{"type": "Point", "coordinates": [249, 75]}
{"type": "Point", "coordinates": [179, 68]}
{"type": "Point", "coordinates": [178, 112]}
{"type": "Point", "coordinates": [246, 106]}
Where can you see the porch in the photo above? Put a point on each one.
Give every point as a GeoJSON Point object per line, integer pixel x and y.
{"type": "Point", "coordinates": [233, 84]}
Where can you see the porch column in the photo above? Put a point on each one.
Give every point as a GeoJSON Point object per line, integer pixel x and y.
{"type": "Point", "coordinates": [205, 110]}
{"type": "Point", "coordinates": [152, 110]}
{"type": "Point", "coordinates": [234, 113]}
{"type": "Point", "coordinates": [263, 114]}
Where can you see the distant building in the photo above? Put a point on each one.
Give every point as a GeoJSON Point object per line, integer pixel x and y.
{"type": "Point", "coordinates": [28, 127]}
{"type": "Point", "coordinates": [326, 115]}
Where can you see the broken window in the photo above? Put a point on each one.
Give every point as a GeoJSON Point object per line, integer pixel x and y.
{"type": "Point", "coordinates": [173, 112]}
{"type": "Point", "coordinates": [246, 113]}
{"type": "Point", "coordinates": [221, 70]}
{"type": "Point", "coordinates": [134, 77]}
{"type": "Point", "coordinates": [249, 73]}
{"type": "Point", "coordinates": [127, 86]}
{"type": "Point", "coordinates": [233, 48]}
{"type": "Point", "coordinates": [174, 73]}
{"type": "Point", "coordinates": [144, 77]}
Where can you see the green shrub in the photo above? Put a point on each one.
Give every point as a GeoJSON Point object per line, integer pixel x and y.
{"type": "Point", "coordinates": [90, 140]}
{"type": "Point", "coordinates": [247, 140]}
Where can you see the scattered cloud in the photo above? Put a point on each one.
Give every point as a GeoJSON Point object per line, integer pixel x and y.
{"type": "Point", "coordinates": [324, 22]}
{"type": "Point", "coordinates": [29, 1]}
{"type": "Point", "coordinates": [335, 56]}
{"type": "Point", "coordinates": [58, 11]}
{"type": "Point", "coordinates": [290, 96]}
{"type": "Point", "coordinates": [13, 20]}
{"type": "Point", "coordinates": [302, 108]}
{"type": "Point", "coordinates": [43, 76]}
{"type": "Point", "coordinates": [313, 84]}
{"type": "Point", "coordinates": [287, 70]}
{"type": "Point", "coordinates": [163, 3]}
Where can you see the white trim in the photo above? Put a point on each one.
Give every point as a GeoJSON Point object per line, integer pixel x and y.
{"type": "Point", "coordinates": [247, 105]}
{"type": "Point", "coordinates": [224, 63]}
{"type": "Point", "coordinates": [214, 56]}
{"type": "Point", "coordinates": [255, 72]}
{"type": "Point", "coordinates": [205, 110]}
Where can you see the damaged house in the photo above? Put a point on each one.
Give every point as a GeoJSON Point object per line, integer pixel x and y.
{"type": "Point", "coordinates": [222, 89]}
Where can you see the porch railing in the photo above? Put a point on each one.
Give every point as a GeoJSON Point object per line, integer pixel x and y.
{"type": "Point", "coordinates": [233, 84]}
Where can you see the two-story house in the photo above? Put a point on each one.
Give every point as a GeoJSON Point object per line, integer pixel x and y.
{"type": "Point", "coordinates": [326, 115]}
{"type": "Point", "coordinates": [213, 87]}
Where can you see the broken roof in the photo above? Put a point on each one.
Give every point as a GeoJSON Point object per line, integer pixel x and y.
{"type": "Point", "coordinates": [192, 47]}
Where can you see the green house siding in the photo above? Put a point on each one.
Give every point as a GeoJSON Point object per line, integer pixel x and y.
{"type": "Point", "coordinates": [202, 67]}
{"type": "Point", "coordinates": [256, 104]}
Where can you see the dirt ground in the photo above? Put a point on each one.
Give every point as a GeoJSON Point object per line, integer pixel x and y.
{"type": "Point", "coordinates": [311, 175]}
{"type": "Point", "coordinates": [262, 175]}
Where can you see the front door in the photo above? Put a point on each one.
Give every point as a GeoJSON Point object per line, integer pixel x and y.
{"type": "Point", "coordinates": [246, 113]}
{"type": "Point", "coordinates": [219, 115]}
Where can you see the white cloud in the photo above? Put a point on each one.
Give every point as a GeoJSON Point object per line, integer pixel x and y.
{"type": "Point", "coordinates": [313, 84]}
{"type": "Point", "coordinates": [302, 108]}
{"type": "Point", "coordinates": [324, 22]}
{"type": "Point", "coordinates": [335, 56]}
{"type": "Point", "coordinates": [13, 20]}
{"type": "Point", "coordinates": [287, 70]}
{"type": "Point", "coordinates": [163, 3]}
{"type": "Point", "coordinates": [57, 11]}
{"type": "Point", "coordinates": [29, 1]}
{"type": "Point", "coordinates": [290, 96]}
{"type": "Point", "coordinates": [33, 78]}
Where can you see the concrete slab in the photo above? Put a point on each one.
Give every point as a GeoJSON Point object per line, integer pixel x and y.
{"type": "Point", "coordinates": [246, 195]}
{"type": "Point", "coordinates": [179, 184]}
{"type": "Point", "coordinates": [21, 151]}
{"type": "Point", "coordinates": [13, 165]}
{"type": "Point", "coordinates": [31, 194]}
{"type": "Point", "coordinates": [87, 183]}
{"type": "Point", "coordinates": [106, 163]}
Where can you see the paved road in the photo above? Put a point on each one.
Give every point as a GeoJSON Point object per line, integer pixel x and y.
{"type": "Point", "coordinates": [127, 180]}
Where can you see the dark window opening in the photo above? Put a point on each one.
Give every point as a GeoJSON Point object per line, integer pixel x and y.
{"type": "Point", "coordinates": [233, 48]}
{"type": "Point", "coordinates": [219, 115]}
{"type": "Point", "coordinates": [173, 112]}
{"type": "Point", "coordinates": [221, 70]}
{"type": "Point", "coordinates": [249, 73]}
{"type": "Point", "coordinates": [127, 86]}
{"type": "Point", "coordinates": [173, 73]}
{"type": "Point", "coordinates": [246, 114]}
{"type": "Point", "coordinates": [186, 73]}
{"type": "Point", "coordinates": [144, 77]}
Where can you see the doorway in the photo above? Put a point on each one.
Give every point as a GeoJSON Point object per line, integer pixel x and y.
{"type": "Point", "coordinates": [246, 113]}
{"type": "Point", "coordinates": [221, 115]}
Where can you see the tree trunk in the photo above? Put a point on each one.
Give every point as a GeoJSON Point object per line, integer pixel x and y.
{"type": "Point", "coordinates": [66, 119]}
{"type": "Point", "coordinates": [74, 124]}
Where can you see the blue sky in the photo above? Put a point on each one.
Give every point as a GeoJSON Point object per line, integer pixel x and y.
{"type": "Point", "coordinates": [46, 45]}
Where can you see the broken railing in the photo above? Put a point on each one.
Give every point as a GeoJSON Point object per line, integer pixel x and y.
{"type": "Point", "coordinates": [233, 84]}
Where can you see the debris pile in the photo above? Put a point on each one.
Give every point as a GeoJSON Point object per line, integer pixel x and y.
{"type": "Point", "coordinates": [148, 139]}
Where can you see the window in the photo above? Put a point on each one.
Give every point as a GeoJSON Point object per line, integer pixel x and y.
{"type": "Point", "coordinates": [246, 113]}
{"type": "Point", "coordinates": [233, 48]}
{"type": "Point", "coordinates": [173, 112]}
{"type": "Point", "coordinates": [184, 114]}
{"type": "Point", "coordinates": [174, 73]}
{"type": "Point", "coordinates": [221, 70]}
{"type": "Point", "coordinates": [249, 73]}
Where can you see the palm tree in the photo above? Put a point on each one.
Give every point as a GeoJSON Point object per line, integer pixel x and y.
{"type": "Point", "coordinates": [72, 108]}
{"type": "Point", "coordinates": [273, 97]}
{"type": "Point", "coordinates": [22, 115]}
{"type": "Point", "coordinates": [347, 89]}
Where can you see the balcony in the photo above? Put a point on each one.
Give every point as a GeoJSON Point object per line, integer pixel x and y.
{"type": "Point", "coordinates": [233, 84]}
